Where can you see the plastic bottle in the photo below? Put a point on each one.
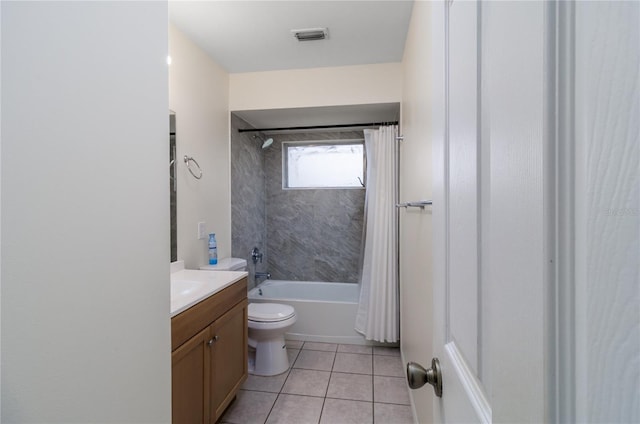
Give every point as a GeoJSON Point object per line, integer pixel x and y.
{"type": "Point", "coordinates": [213, 249]}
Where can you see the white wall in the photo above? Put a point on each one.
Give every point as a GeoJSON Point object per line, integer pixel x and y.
{"type": "Point", "coordinates": [346, 85]}
{"type": "Point", "coordinates": [85, 240]}
{"type": "Point", "coordinates": [199, 95]}
{"type": "Point", "coordinates": [416, 276]}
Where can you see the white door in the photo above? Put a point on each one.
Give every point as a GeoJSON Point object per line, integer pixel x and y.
{"type": "Point", "coordinates": [489, 214]}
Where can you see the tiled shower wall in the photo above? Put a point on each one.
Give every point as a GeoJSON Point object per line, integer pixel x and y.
{"type": "Point", "coordinates": [312, 235]}
{"type": "Point", "coordinates": [248, 197]}
{"type": "Point", "coordinates": [305, 235]}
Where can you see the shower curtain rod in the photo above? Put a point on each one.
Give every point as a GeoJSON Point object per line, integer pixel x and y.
{"type": "Point", "coordinates": [318, 127]}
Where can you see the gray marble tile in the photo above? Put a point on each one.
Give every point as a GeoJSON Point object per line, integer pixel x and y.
{"type": "Point", "coordinates": [390, 390]}
{"type": "Point", "coordinates": [327, 347]}
{"type": "Point", "coordinates": [388, 365]}
{"type": "Point", "coordinates": [248, 196]}
{"type": "Point", "coordinates": [312, 235]}
{"type": "Point", "coordinates": [350, 386]}
{"type": "Point", "coordinates": [249, 407]}
{"type": "Point", "coordinates": [349, 348]}
{"type": "Point", "coordinates": [353, 363]}
{"type": "Point", "coordinates": [293, 409]}
{"type": "Point", "coordinates": [307, 382]}
{"type": "Point", "coordinates": [265, 384]}
{"type": "Point", "coordinates": [346, 412]}
{"type": "Point", "coordinates": [385, 413]}
{"type": "Point", "coordinates": [315, 360]}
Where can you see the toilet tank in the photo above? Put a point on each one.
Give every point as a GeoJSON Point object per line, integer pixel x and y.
{"type": "Point", "coordinates": [227, 264]}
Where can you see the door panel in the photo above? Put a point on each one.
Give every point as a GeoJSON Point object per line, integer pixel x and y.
{"type": "Point", "coordinates": [463, 182]}
{"type": "Point", "coordinates": [228, 357]}
{"type": "Point", "coordinates": [189, 381]}
{"type": "Point", "coordinates": [492, 209]}
{"type": "Point", "coordinates": [464, 399]}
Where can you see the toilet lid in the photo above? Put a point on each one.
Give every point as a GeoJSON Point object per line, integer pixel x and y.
{"type": "Point", "coordinates": [270, 312]}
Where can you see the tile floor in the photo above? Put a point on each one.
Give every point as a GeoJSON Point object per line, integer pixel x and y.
{"type": "Point", "coordinates": [327, 384]}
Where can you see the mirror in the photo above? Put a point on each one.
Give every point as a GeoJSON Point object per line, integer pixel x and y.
{"type": "Point", "coordinates": [173, 185]}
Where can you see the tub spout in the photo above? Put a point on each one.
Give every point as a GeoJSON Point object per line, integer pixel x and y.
{"type": "Point", "coordinates": [266, 275]}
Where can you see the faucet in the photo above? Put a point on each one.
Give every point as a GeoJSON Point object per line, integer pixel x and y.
{"type": "Point", "coordinates": [255, 255]}
{"type": "Point", "coordinates": [266, 275]}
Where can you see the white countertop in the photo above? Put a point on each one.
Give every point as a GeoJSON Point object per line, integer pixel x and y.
{"type": "Point", "coordinates": [189, 286]}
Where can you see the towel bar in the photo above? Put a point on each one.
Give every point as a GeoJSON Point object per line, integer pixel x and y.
{"type": "Point", "coordinates": [419, 204]}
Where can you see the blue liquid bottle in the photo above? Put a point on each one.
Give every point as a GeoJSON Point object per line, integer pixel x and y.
{"type": "Point", "coordinates": [213, 249]}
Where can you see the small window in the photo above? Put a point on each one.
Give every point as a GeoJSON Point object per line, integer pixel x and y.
{"type": "Point", "coordinates": [336, 164]}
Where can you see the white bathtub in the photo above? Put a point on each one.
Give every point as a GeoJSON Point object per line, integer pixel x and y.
{"type": "Point", "coordinates": [326, 311]}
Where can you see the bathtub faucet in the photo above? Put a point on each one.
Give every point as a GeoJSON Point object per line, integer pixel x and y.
{"type": "Point", "coordinates": [266, 275]}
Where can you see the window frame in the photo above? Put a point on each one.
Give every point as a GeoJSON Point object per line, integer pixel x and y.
{"type": "Point", "coordinates": [311, 143]}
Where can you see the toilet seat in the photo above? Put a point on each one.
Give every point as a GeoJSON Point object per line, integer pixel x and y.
{"type": "Point", "coordinates": [270, 312]}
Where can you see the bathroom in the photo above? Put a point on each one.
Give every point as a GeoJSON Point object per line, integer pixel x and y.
{"type": "Point", "coordinates": [85, 207]}
{"type": "Point", "coordinates": [369, 93]}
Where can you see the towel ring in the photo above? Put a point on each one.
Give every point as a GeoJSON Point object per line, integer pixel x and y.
{"type": "Point", "coordinates": [188, 160]}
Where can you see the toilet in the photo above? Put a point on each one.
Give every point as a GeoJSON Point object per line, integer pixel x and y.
{"type": "Point", "coordinates": [268, 323]}
{"type": "Point", "coordinates": [227, 264]}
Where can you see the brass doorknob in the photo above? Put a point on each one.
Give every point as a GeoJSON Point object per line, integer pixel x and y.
{"type": "Point", "coordinates": [418, 376]}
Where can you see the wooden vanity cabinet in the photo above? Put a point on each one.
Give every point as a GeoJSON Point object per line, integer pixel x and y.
{"type": "Point", "coordinates": [209, 355]}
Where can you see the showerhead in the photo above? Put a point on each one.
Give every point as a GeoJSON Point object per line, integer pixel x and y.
{"type": "Point", "coordinates": [265, 143]}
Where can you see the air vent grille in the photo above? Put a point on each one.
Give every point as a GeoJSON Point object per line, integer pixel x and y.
{"type": "Point", "coordinates": [310, 34]}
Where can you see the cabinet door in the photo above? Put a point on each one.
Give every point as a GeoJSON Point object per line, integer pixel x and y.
{"type": "Point", "coordinates": [228, 357]}
{"type": "Point", "coordinates": [190, 380]}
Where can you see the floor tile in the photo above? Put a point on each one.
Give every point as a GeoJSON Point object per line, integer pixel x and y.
{"type": "Point", "coordinates": [292, 409]}
{"type": "Point", "coordinates": [350, 386]}
{"type": "Point", "coordinates": [294, 344]}
{"type": "Point", "coordinates": [385, 413]}
{"type": "Point", "coordinates": [327, 347]}
{"type": "Point", "coordinates": [390, 390]}
{"type": "Point", "coordinates": [355, 383]}
{"type": "Point", "coordinates": [249, 407]}
{"type": "Point", "coordinates": [307, 382]}
{"type": "Point", "coordinates": [265, 384]}
{"type": "Point", "coordinates": [387, 351]}
{"type": "Point", "coordinates": [347, 348]}
{"type": "Point", "coordinates": [353, 363]}
{"type": "Point", "coordinates": [390, 366]}
{"type": "Point", "coordinates": [346, 412]}
{"type": "Point", "coordinates": [315, 360]}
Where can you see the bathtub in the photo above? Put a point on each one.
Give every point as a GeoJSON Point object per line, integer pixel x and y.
{"type": "Point", "coordinates": [326, 311]}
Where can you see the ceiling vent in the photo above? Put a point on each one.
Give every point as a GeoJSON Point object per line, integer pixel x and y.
{"type": "Point", "coordinates": [310, 34]}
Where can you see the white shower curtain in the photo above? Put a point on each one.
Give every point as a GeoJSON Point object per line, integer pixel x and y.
{"type": "Point", "coordinates": [378, 315]}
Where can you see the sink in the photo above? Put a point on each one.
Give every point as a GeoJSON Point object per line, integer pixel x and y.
{"type": "Point", "coordinates": [189, 287]}
{"type": "Point", "coordinates": [184, 287]}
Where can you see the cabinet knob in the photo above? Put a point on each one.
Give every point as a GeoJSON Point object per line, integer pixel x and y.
{"type": "Point", "coordinates": [214, 339]}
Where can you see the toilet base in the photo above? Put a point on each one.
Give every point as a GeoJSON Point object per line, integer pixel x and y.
{"type": "Point", "coordinates": [270, 357]}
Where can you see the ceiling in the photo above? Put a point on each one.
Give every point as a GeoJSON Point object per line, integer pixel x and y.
{"type": "Point", "coordinates": [255, 36]}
